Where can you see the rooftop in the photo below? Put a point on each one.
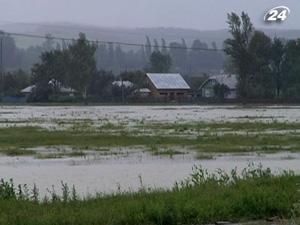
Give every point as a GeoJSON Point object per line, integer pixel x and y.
{"type": "Point", "coordinates": [230, 80]}
{"type": "Point", "coordinates": [168, 81]}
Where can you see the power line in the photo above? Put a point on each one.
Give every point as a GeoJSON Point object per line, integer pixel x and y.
{"type": "Point", "coordinates": [107, 42]}
{"type": "Point", "coordinates": [96, 29]}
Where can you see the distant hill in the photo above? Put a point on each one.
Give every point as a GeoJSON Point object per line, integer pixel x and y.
{"type": "Point", "coordinates": [127, 34]}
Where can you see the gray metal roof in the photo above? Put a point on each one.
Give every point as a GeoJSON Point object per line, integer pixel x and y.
{"type": "Point", "coordinates": [125, 83]}
{"type": "Point", "coordinates": [230, 80]}
{"type": "Point", "coordinates": [168, 81]}
{"type": "Point", "coordinates": [28, 89]}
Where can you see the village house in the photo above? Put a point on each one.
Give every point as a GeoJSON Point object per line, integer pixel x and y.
{"type": "Point", "coordinates": [207, 89]}
{"type": "Point", "coordinates": [168, 86]}
{"type": "Point", "coordinates": [64, 91]}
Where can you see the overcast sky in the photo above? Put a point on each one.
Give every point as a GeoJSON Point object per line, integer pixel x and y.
{"type": "Point", "coordinates": [198, 14]}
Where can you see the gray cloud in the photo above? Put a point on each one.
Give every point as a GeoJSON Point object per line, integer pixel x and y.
{"type": "Point", "coordinates": [197, 14]}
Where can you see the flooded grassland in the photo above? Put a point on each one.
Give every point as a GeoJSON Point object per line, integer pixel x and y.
{"type": "Point", "coordinates": [129, 159]}
{"type": "Point", "coordinates": [100, 149]}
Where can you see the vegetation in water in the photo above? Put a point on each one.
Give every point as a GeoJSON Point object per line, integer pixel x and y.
{"type": "Point", "coordinates": [201, 198]}
{"type": "Point", "coordinates": [159, 139]}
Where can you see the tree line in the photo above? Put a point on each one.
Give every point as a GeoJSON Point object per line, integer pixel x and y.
{"type": "Point", "coordinates": [117, 58]}
{"type": "Point", "coordinates": [267, 68]}
{"type": "Point", "coordinates": [75, 67]}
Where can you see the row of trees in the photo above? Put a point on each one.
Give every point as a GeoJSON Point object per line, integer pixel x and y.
{"type": "Point", "coordinates": [75, 67]}
{"type": "Point", "coordinates": [116, 58]}
{"type": "Point", "coordinates": [267, 68]}
{"type": "Point", "coordinates": [72, 67]}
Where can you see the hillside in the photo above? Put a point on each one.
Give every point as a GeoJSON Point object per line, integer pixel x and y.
{"type": "Point", "coordinates": [129, 35]}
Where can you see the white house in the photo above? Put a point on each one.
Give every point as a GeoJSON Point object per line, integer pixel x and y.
{"type": "Point", "coordinates": [230, 80]}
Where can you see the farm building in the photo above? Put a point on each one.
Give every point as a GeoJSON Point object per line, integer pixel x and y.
{"type": "Point", "coordinates": [207, 89]}
{"type": "Point", "coordinates": [66, 91]}
{"type": "Point", "coordinates": [168, 86]}
{"type": "Point", "coordinates": [124, 83]}
{"type": "Point", "coordinates": [28, 90]}
{"type": "Point", "coordinates": [143, 92]}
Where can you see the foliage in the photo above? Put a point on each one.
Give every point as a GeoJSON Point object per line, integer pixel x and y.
{"type": "Point", "coordinates": [14, 82]}
{"type": "Point", "coordinates": [221, 90]}
{"type": "Point", "coordinates": [82, 65]}
{"type": "Point", "coordinates": [72, 67]}
{"type": "Point", "coordinates": [101, 84]}
{"type": "Point", "coordinates": [238, 49]}
{"type": "Point", "coordinates": [261, 83]}
{"type": "Point", "coordinates": [160, 63]}
{"type": "Point", "coordinates": [291, 68]}
{"type": "Point", "coordinates": [200, 137]}
{"type": "Point", "coordinates": [267, 68]}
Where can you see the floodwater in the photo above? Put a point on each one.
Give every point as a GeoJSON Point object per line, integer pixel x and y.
{"type": "Point", "coordinates": [95, 173]}
{"type": "Point", "coordinates": [131, 114]}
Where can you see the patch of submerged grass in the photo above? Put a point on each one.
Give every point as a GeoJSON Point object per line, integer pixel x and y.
{"type": "Point", "coordinates": [31, 136]}
{"type": "Point", "coordinates": [167, 152]}
{"type": "Point", "coordinates": [61, 155]}
{"type": "Point", "coordinates": [84, 140]}
{"type": "Point", "coordinates": [248, 143]}
{"type": "Point", "coordinates": [201, 156]}
{"type": "Point", "coordinates": [17, 152]}
{"type": "Point", "coordinates": [233, 126]}
{"type": "Point", "coordinates": [201, 199]}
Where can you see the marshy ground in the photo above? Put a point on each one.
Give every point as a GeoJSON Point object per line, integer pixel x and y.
{"type": "Point", "coordinates": [108, 149]}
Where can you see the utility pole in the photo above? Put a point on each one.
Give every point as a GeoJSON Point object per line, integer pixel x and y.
{"type": "Point", "coordinates": [122, 84]}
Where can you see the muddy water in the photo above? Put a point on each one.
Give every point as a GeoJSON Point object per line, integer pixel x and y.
{"type": "Point", "coordinates": [105, 174]}
{"type": "Point", "coordinates": [97, 174]}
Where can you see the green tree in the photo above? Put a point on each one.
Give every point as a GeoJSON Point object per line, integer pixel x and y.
{"type": "Point", "coordinates": [101, 85]}
{"type": "Point", "coordinates": [277, 61]}
{"type": "Point", "coordinates": [261, 83]}
{"type": "Point", "coordinates": [14, 82]}
{"type": "Point", "coordinates": [220, 91]}
{"type": "Point", "coordinates": [291, 70]}
{"type": "Point", "coordinates": [160, 63]}
{"type": "Point", "coordinates": [136, 77]}
{"type": "Point", "coordinates": [82, 65]}
{"type": "Point", "coordinates": [53, 66]}
{"type": "Point", "coordinates": [237, 48]}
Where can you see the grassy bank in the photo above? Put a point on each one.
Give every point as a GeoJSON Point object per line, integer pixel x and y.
{"type": "Point", "coordinates": [202, 198]}
{"type": "Point", "coordinates": [201, 137]}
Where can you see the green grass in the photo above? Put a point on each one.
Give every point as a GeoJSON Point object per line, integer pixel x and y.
{"type": "Point", "coordinates": [60, 155]}
{"type": "Point", "coordinates": [234, 126]}
{"type": "Point", "coordinates": [17, 152]}
{"type": "Point", "coordinates": [201, 199]}
{"type": "Point", "coordinates": [14, 140]}
{"type": "Point", "coordinates": [201, 156]}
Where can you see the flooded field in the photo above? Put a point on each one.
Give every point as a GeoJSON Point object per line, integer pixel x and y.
{"type": "Point", "coordinates": [100, 174]}
{"type": "Point", "coordinates": [104, 167]}
{"type": "Point", "coordinates": [49, 116]}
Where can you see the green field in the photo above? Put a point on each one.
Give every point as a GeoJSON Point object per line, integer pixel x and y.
{"type": "Point", "coordinates": [197, 137]}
